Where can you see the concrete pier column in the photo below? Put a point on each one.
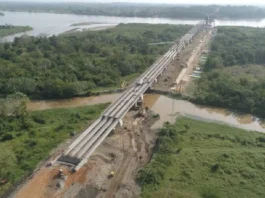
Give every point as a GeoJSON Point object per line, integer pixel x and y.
{"type": "Point", "coordinates": [120, 122]}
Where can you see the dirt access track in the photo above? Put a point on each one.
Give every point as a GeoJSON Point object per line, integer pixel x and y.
{"type": "Point", "coordinates": [188, 58]}
{"type": "Point", "coordinates": [124, 152]}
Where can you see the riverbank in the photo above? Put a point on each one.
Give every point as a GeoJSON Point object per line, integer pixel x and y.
{"type": "Point", "coordinates": [144, 10]}
{"type": "Point", "coordinates": [6, 30]}
{"type": "Point", "coordinates": [200, 159]}
{"type": "Point", "coordinates": [230, 79]}
{"type": "Point", "coordinates": [39, 105]}
{"type": "Point", "coordinates": [168, 106]}
{"type": "Point", "coordinates": [98, 28]}
{"type": "Point", "coordinates": [170, 109]}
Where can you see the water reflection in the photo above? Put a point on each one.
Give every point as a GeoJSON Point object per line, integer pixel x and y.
{"type": "Point", "coordinates": [169, 109]}
{"type": "Point", "coordinates": [49, 24]}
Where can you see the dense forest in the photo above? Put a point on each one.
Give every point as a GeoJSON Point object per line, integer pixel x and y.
{"type": "Point", "coordinates": [65, 66]}
{"type": "Point", "coordinates": [238, 87]}
{"type": "Point", "coordinates": [140, 10]}
{"type": "Point", "coordinates": [6, 30]}
{"type": "Point", "coordinates": [237, 45]}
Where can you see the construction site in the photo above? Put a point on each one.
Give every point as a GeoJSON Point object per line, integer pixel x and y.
{"type": "Point", "coordinates": [112, 169]}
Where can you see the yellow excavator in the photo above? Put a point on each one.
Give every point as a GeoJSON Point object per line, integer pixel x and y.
{"type": "Point", "coordinates": [111, 175]}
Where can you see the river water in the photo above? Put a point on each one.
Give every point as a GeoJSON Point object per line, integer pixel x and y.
{"type": "Point", "coordinates": [73, 102]}
{"type": "Point", "coordinates": [167, 108]}
{"type": "Point", "coordinates": [49, 24]}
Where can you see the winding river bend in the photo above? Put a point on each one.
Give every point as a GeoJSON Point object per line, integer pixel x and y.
{"type": "Point", "coordinates": [168, 109]}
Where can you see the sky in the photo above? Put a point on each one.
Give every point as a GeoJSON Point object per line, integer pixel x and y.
{"type": "Point", "coordinates": [240, 2]}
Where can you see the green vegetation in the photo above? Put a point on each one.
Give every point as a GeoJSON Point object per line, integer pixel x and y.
{"type": "Point", "coordinates": [237, 45]}
{"type": "Point", "coordinates": [208, 160]}
{"type": "Point", "coordinates": [74, 64]}
{"type": "Point", "coordinates": [6, 30]}
{"type": "Point", "coordinates": [26, 138]}
{"type": "Point", "coordinates": [232, 78]}
{"type": "Point", "coordinates": [140, 10]}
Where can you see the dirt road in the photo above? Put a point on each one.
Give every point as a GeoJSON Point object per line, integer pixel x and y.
{"type": "Point", "coordinates": [168, 79]}
{"type": "Point", "coordinates": [124, 151]}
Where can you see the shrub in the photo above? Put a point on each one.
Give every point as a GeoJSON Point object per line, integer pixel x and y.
{"type": "Point", "coordinates": [215, 167]}
{"type": "Point", "coordinates": [209, 193]}
{"type": "Point", "coordinates": [39, 119]}
{"type": "Point", "coordinates": [7, 137]}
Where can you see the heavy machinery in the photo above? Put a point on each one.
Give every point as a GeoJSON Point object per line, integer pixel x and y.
{"type": "Point", "coordinates": [111, 175]}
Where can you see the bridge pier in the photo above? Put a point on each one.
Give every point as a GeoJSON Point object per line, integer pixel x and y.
{"type": "Point", "coordinates": [120, 122]}
{"type": "Point", "coordinates": [139, 101]}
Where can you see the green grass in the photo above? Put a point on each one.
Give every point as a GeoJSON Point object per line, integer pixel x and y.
{"type": "Point", "coordinates": [13, 30]}
{"type": "Point", "coordinates": [201, 159]}
{"type": "Point", "coordinates": [33, 139]}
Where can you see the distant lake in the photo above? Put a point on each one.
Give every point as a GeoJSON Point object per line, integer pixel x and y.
{"type": "Point", "coordinates": [49, 24]}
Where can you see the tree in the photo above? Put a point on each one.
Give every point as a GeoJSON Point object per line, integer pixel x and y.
{"type": "Point", "coordinates": [16, 104]}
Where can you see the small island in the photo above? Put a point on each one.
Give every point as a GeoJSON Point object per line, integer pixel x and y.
{"type": "Point", "coordinates": [6, 30]}
{"type": "Point", "coordinates": [2, 14]}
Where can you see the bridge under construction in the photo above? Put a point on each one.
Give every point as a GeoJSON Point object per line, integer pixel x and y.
{"type": "Point", "coordinates": [82, 148]}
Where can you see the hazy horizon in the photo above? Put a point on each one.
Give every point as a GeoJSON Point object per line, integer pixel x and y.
{"type": "Point", "coordinates": [204, 2]}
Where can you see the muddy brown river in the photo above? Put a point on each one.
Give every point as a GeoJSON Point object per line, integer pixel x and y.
{"type": "Point", "coordinates": [168, 109]}
{"type": "Point", "coordinates": [73, 102]}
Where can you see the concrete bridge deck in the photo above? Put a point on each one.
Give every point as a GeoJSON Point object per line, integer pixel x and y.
{"type": "Point", "coordinates": [81, 149]}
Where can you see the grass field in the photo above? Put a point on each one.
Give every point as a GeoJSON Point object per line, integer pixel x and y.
{"type": "Point", "coordinates": [6, 30]}
{"type": "Point", "coordinates": [208, 160]}
{"type": "Point", "coordinates": [24, 146]}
